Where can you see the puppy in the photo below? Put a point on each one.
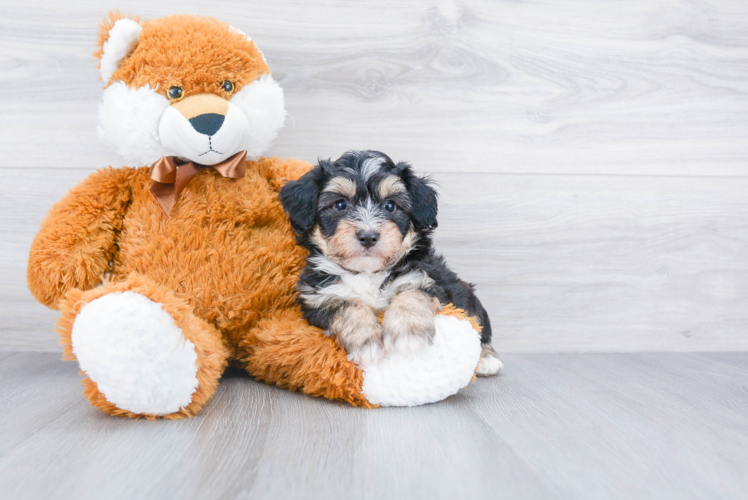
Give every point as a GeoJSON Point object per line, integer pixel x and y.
{"type": "Point", "coordinates": [367, 223]}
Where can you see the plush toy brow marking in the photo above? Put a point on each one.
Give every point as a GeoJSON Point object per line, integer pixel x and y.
{"type": "Point", "coordinates": [200, 104]}
{"type": "Point", "coordinates": [390, 186]}
{"type": "Point", "coordinates": [341, 185]}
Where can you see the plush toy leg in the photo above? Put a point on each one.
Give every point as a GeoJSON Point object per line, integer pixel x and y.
{"type": "Point", "coordinates": [143, 351]}
{"type": "Point", "coordinates": [286, 351]}
{"type": "Point", "coordinates": [438, 371]}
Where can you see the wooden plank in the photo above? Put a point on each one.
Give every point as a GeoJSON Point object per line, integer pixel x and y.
{"type": "Point", "coordinates": [661, 421]}
{"type": "Point", "coordinates": [589, 426]}
{"type": "Point", "coordinates": [577, 263]}
{"type": "Point", "coordinates": [562, 263]}
{"type": "Point", "coordinates": [579, 87]}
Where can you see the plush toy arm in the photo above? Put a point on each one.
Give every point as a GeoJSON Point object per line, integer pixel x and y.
{"type": "Point", "coordinates": [286, 351]}
{"type": "Point", "coordinates": [279, 171]}
{"type": "Point", "coordinates": [77, 240]}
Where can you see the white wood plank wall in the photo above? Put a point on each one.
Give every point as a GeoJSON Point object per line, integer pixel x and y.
{"type": "Point", "coordinates": [592, 154]}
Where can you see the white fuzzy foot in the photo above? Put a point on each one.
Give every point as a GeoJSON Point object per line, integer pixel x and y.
{"type": "Point", "coordinates": [440, 370]}
{"type": "Point", "coordinates": [134, 351]}
{"type": "Point", "coordinates": [489, 363]}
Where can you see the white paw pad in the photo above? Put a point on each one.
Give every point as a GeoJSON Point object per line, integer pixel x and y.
{"type": "Point", "coordinates": [136, 354]}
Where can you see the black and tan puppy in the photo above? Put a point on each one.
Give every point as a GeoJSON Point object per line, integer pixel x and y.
{"type": "Point", "coordinates": [367, 223]}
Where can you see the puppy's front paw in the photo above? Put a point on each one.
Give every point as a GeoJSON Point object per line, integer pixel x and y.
{"type": "Point", "coordinates": [370, 353]}
{"type": "Point", "coordinates": [408, 324]}
{"type": "Point", "coordinates": [358, 332]}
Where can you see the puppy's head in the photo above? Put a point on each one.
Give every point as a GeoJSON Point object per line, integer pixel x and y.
{"type": "Point", "coordinates": [363, 211]}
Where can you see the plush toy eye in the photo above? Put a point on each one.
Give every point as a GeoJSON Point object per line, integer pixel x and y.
{"type": "Point", "coordinates": [389, 206]}
{"type": "Point", "coordinates": [227, 86]}
{"type": "Point", "coordinates": [341, 205]}
{"type": "Point", "coordinates": [175, 93]}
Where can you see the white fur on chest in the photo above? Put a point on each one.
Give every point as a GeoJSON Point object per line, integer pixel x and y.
{"type": "Point", "coordinates": [365, 287]}
{"type": "Point", "coordinates": [368, 288]}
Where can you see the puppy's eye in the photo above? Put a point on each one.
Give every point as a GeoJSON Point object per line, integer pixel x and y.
{"type": "Point", "coordinates": [175, 93]}
{"type": "Point", "coordinates": [227, 86]}
{"type": "Point", "coordinates": [341, 205]}
{"type": "Point", "coordinates": [389, 206]}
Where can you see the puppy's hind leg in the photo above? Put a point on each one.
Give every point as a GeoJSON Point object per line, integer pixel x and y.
{"type": "Point", "coordinates": [489, 363]}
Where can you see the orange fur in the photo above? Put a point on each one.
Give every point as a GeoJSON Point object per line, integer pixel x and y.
{"type": "Point", "coordinates": [78, 238]}
{"type": "Point", "coordinates": [451, 310]}
{"type": "Point", "coordinates": [285, 350]}
{"type": "Point", "coordinates": [195, 53]}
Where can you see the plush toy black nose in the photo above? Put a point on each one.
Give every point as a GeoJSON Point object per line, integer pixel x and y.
{"type": "Point", "coordinates": [367, 238]}
{"type": "Point", "coordinates": [208, 123]}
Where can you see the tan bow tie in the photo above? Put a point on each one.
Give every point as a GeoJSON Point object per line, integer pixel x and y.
{"type": "Point", "coordinates": [171, 175]}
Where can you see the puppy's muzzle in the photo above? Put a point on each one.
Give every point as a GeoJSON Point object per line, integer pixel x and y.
{"type": "Point", "coordinates": [205, 112]}
{"type": "Point", "coordinates": [367, 237]}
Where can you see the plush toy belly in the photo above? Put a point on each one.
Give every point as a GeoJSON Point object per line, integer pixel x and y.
{"type": "Point", "coordinates": [440, 370]}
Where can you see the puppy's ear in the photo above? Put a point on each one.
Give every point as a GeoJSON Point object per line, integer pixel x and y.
{"type": "Point", "coordinates": [299, 199]}
{"type": "Point", "coordinates": [423, 198]}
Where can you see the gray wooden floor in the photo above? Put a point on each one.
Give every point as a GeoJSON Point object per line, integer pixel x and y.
{"type": "Point", "coordinates": [575, 426]}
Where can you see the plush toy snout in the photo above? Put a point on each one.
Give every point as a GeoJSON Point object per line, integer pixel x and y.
{"type": "Point", "coordinates": [205, 112]}
{"type": "Point", "coordinates": [204, 128]}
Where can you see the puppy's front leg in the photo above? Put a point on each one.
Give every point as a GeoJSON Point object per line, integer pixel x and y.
{"type": "Point", "coordinates": [358, 331]}
{"type": "Point", "coordinates": [408, 324]}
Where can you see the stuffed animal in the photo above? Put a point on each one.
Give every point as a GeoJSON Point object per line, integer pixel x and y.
{"type": "Point", "coordinates": [183, 261]}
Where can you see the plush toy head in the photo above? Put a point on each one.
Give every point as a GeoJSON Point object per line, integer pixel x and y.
{"type": "Point", "coordinates": [184, 86]}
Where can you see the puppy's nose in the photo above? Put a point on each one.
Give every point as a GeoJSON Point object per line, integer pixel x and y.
{"type": "Point", "coordinates": [367, 238]}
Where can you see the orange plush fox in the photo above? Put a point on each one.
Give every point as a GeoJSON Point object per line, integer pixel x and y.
{"type": "Point", "coordinates": [167, 270]}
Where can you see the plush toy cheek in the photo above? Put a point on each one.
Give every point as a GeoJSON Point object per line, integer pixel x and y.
{"type": "Point", "coordinates": [263, 104]}
{"type": "Point", "coordinates": [142, 126]}
{"type": "Point", "coordinates": [440, 370]}
{"type": "Point", "coordinates": [204, 141]}
{"type": "Point", "coordinates": [129, 122]}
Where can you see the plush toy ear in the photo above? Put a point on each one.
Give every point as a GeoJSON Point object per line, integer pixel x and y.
{"type": "Point", "coordinates": [423, 199]}
{"type": "Point", "coordinates": [299, 199]}
{"type": "Point", "coordinates": [118, 36]}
